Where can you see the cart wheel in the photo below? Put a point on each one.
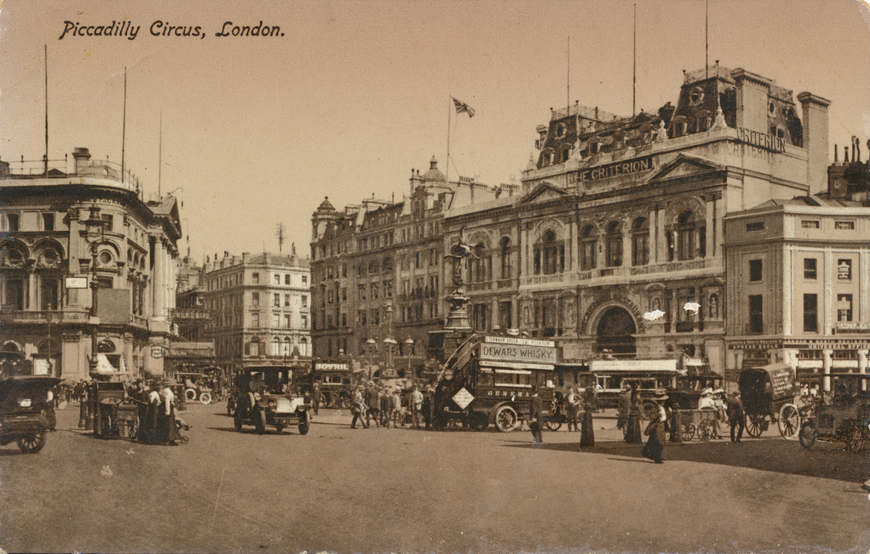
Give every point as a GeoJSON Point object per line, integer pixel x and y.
{"type": "Point", "coordinates": [205, 398]}
{"type": "Point", "coordinates": [554, 425]}
{"type": "Point", "coordinates": [687, 431]}
{"type": "Point", "coordinates": [190, 394]}
{"type": "Point", "coordinates": [754, 425]}
{"type": "Point", "coordinates": [506, 419]}
{"type": "Point", "coordinates": [807, 435]}
{"type": "Point", "coordinates": [705, 430]}
{"type": "Point", "coordinates": [789, 421]}
{"type": "Point", "coordinates": [32, 443]}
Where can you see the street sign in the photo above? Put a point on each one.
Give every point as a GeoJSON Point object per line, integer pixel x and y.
{"type": "Point", "coordinates": [463, 398]}
{"type": "Point", "coordinates": [76, 282]}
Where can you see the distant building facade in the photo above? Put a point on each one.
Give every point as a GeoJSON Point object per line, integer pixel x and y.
{"type": "Point", "coordinates": [798, 285]}
{"type": "Point", "coordinates": [48, 261]}
{"type": "Point", "coordinates": [615, 245]}
{"type": "Point", "coordinates": [379, 271]}
{"type": "Point", "coordinates": [259, 309]}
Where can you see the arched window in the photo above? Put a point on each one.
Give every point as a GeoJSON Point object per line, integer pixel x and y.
{"type": "Point", "coordinates": [549, 255]}
{"type": "Point", "coordinates": [613, 244]}
{"type": "Point", "coordinates": [276, 347]}
{"type": "Point", "coordinates": [691, 237]}
{"type": "Point", "coordinates": [588, 242]}
{"type": "Point", "coordinates": [506, 258]}
{"type": "Point", "coordinates": [478, 264]}
{"type": "Point", "coordinates": [640, 241]}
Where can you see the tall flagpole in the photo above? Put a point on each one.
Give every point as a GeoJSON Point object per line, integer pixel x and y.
{"type": "Point", "coordinates": [568, 112]}
{"type": "Point", "coordinates": [634, 65]}
{"type": "Point", "coordinates": [706, 39]}
{"type": "Point", "coordinates": [160, 156]}
{"type": "Point", "coordinates": [449, 109]}
{"type": "Point", "coordinates": [124, 126]}
{"type": "Point", "coordinates": [46, 110]}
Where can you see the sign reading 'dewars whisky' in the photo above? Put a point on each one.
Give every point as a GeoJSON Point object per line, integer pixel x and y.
{"type": "Point", "coordinates": [518, 350]}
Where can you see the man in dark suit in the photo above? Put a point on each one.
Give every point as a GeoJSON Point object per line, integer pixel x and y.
{"type": "Point", "coordinates": [536, 415]}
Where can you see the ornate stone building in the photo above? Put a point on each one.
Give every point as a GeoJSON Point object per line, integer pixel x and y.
{"type": "Point", "coordinates": [378, 271]}
{"type": "Point", "coordinates": [615, 244]}
{"type": "Point", "coordinates": [48, 259]}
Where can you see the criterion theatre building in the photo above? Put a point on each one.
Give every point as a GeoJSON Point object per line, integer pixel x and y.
{"type": "Point", "coordinates": [615, 245]}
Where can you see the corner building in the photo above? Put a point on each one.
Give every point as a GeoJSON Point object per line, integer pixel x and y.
{"type": "Point", "coordinates": [47, 261]}
{"type": "Point", "coordinates": [258, 309]}
{"type": "Point", "coordinates": [614, 245]}
{"type": "Point", "coordinates": [799, 280]}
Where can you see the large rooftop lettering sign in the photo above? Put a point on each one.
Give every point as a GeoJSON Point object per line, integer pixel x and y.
{"type": "Point", "coordinates": [615, 170]}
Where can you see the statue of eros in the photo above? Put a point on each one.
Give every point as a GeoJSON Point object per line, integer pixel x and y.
{"type": "Point", "coordinates": [459, 252]}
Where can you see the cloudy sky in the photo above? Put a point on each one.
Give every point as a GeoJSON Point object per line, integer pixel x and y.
{"type": "Point", "coordinates": [349, 96]}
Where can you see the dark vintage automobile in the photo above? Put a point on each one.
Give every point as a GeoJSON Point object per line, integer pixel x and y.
{"type": "Point", "coordinates": [26, 410]}
{"type": "Point", "coordinates": [843, 415]}
{"type": "Point", "coordinates": [265, 396]}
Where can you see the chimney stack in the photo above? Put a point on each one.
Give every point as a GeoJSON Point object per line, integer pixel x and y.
{"type": "Point", "coordinates": [815, 120]}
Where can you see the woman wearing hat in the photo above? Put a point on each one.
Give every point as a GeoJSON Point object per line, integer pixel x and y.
{"type": "Point", "coordinates": [168, 430]}
{"type": "Point", "coordinates": [655, 430]}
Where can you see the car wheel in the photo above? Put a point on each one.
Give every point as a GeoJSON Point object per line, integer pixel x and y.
{"type": "Point", "coordinates": [807, 436]}
{"type": "Point", "coordinates": [506, 419]}
{"type": "Point", "coordinates": [305, 425]}
{"type": "Point", "coordinates": [190, 394]}
{"type": "Point", "coordinates": [205, 398]}
{"type": "Point", "coordinates": [32, 443]}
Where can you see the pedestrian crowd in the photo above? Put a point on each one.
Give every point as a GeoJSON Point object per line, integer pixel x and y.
{"type": "Point", "coordinates": [386, 406]}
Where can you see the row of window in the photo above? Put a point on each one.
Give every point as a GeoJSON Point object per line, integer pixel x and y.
{"type": "Point", "coordinates": [810, 312]}
{"type": "Point", "coordinates": [844, 269]}
{"type": "Point", "coordinates": [235, 279]}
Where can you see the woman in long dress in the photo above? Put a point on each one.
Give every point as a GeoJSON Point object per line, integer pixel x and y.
{"type": "Point", "coordinates": [169, 429]}
{"type": "Point", "coordinates": [655, 444]}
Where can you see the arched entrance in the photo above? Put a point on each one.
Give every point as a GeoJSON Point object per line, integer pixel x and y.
{"type": "Point", "coordinates": [615, 330]}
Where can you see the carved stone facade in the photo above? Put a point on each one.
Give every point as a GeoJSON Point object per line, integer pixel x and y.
{"type": "Point", "coordinates": [43, 243]}
{"type": "Point", "coordinates": [614, 247]}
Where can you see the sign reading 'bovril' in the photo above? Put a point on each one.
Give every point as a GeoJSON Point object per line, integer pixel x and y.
{"type": "Point", "coordinates": [615, 170]}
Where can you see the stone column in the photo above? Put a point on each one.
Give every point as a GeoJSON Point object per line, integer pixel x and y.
{"type": "Point", "coordinates": [661, 241]}
{"type": "Point", "coordinates": [653, 236]}
{"type": "Point", "coordinates": [826, 360]}
{"type": "Point", "coordinates": [626, 245]}
{"type": "Point", "coordinates": [862, 367]}
{"type": "Point", "coordinates": [710, 213]}
{"type": "Point", "coordinates": [573, 234]}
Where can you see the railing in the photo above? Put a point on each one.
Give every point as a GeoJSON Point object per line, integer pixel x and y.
{"type": "Point", "coordinates": [42, 316]}
{"type": "Point", "coordinates": [102, 169]}
{"type": "Point", "coordinates": [672, 266]}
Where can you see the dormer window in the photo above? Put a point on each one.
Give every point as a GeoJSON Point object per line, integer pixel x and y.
{"type": "Point", "coordinates": [560, 130]}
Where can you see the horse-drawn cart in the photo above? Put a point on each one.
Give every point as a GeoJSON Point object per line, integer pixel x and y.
{"type": "Point", "coordinates": [770, 391]}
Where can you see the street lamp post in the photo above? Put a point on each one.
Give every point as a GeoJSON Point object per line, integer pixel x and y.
{"type": "Point", "coordinates": [94, 235]}
{"type": "Point", "coordinates": [410, 344]}
{"type": "Point", "coordinates": [390, 341]}
{"type": "Point", "coordinates": [371, 346]}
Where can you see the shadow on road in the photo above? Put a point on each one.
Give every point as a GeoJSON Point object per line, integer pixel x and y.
{"type": "Point", "coordinates": [824, 460]}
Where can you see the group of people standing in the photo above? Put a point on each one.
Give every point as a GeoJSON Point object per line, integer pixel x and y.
{"type": "Point", "coordinates": [375, 402]}
{"type": "Point", "coordinates": [158, 423]}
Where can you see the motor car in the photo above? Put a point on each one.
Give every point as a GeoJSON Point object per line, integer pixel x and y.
{"type": "Point", "coordinates": [843, 415]}
{"type": "Point", "coordinates": [266, 396]}
{"type": "Point", "coordinates": [26, 410]}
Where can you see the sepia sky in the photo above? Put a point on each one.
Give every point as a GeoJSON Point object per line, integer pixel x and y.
{"type": "Point", "coordinates": [257, 130]}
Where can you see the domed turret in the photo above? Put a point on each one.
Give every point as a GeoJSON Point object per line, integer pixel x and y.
{"type": "Point", "coordinates": [434, 174]}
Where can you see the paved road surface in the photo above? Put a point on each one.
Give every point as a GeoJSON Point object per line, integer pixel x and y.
{"type": "Point", "coordinates": [405, 490]}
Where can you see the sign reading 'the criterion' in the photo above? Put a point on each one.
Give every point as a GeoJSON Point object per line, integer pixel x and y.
{"type": "Point", "coordinates": [615, 170]}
